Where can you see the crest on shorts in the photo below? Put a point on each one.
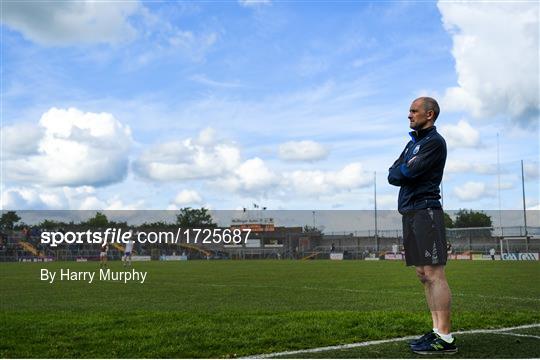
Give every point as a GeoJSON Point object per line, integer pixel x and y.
{"type": "Point", "coordinates": [427, 254]}
{"type": "Point", "coordinates": [416, 150]}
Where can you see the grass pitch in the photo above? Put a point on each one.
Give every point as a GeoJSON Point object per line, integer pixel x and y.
{"type": "Point", "coordinates": [239, 308]}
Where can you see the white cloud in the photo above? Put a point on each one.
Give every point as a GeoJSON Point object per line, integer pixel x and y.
{"type": "Point", "coordinates": [187, 197]}
{"type": "Point", "coordinates": [174, 42]}
{"type": "Point", "coordinates": [534, 207]}
{"type": "Point", "coordinates": [250, 176]}
{"type": "Point", "coordinates": [78, 198]}
{"type": "Point", "coordinates": [86, 198]}
{"type": "Point", "coordinates": [472, 190]}
{"type": "Point", "coordinates": [463, 166]}
{"type": "Point", "coordinates": [205, 157]}
{"type": "Point", "coordinates": [71, 148]}
{"type": "Point", "coordinates": [253, 174]}
{"type": "Point", "coordinates": [92, 203]}
{"type": "Point", "coordinates": [71, 22]}
{"type": "Point", "coordinates": [507, 186]}
{"type": "Point", "coordinates": [203, 79]}
{"type": "Point", "coordinates": [531, 170]}
{"type": "Point", "coordinates": [306, 150]}
{"type": "Point", "coordinates": [20, 139]}
{"type": "Point", "coordinates": [80, 22]}
{"type": "Point", "coordinates": [461, 135]}
{"type": "Point", "coordinates": [115, 203]}
{"type": "Point", "coordinates": [32, 199]}
{"type": "Point", "coordinates": [194, 44]}
{"type": "Point", "coordinates": [207, 137]}
{"type": "Point", "coordinates": [497, 66]}
{"type": "Point", "coordinates": [201, 158]}
{"type": "Point", "coordinates": [253, 3]}
{"type": "Point", "coordinates": [257, 179]}
{"type": "Point", "coordinates": [162, 39]}
{"type": "Point", "coordinates": [318, 182]}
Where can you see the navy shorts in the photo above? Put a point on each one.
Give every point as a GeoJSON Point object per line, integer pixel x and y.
{"type": "Point", "coordinates": [424, 237]}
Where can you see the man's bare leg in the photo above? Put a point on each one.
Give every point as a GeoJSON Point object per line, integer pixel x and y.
{"type": "Point", "coordinates": [438, 296]}
{"type": "Point", "coordinates": [422, 277]}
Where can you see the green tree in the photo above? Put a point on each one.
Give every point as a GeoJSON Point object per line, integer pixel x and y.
{"type": "Point", "coordinates": [51, 224]}
{"type": "Point", "coordinates": [470, 218]}
{"type": "Point", "coordinates": [21, 225]}
{"type": "Point", "coordinates": [98, 221]}
{"type": "Point", "coordinates": [190, 218]}
{"type": "Point", "coordinates": [448, 222]}
{"type": "Point", "coordinates": [8, 220]}
{"type": "Point", "coordinates": [311, 229]}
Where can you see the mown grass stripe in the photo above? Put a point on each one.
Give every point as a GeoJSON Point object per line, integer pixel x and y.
{"type": "Point", "coordinates": [377, 342]}
{"type": "Point", "coordinates": [409, 293]}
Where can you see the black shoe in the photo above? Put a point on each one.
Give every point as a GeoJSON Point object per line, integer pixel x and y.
{"type": "Point", "coordinates": [435, 346]}
{"type": "Point", "coordinates": [429, 336]}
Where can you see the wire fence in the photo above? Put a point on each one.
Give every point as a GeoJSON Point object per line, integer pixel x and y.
{"type": "Point", "coordinates": [293, 245]}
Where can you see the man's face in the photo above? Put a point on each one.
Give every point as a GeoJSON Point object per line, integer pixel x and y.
{"type": "Point", "coordinates": [419, 118]}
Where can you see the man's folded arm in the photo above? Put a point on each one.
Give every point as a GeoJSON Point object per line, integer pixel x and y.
{"type": "Point", "coordinates": [427, 157]}
{"type": "Point", "coordinates": [395, 177]}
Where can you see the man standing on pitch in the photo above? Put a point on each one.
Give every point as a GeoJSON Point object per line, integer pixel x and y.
{"type": "Point", "coordinates": [418, 172]}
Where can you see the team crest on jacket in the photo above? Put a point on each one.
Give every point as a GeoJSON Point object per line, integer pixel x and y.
{"type": "Point", "coordinates": [416, 150]}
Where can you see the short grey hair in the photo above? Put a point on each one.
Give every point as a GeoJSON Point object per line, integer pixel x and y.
{"type": "Point", "coordinates": [431, 104]}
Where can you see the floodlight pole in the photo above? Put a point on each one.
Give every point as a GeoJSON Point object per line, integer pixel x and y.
{"type": "Point", "coordinates": [499, 184]}
{"type": "Point", "coordinates": [524, 208]}
{"type": "Point", "coordinates": [375, 202]}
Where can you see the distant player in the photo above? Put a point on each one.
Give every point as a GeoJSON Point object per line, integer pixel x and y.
{"type": "Point", "coordinates": [127, 253]}
{"type": "Point", "coordinates": [103, 254]}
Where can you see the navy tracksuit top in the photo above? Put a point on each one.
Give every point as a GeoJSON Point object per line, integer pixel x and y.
{"type": "Point", "coordinates": [419, 171]}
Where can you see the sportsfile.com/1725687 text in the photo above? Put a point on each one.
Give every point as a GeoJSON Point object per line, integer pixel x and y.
{"type": "Point", "coordinates": [122, 236]}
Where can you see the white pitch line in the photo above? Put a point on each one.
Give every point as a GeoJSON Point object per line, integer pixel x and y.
{"type": "Point", "coordinates": [519, 335]}
{"type": "Point", "coordinates": [489, 331]}
{"type": "Point", "coordinates": [377, 342]}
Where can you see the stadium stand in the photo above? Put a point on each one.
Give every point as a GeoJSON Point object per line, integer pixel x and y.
{"type": "Point", "coordinates": [283, 243]}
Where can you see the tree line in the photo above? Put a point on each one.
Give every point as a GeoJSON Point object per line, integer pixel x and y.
{"type": "Point", "coordinates": [188, 217]}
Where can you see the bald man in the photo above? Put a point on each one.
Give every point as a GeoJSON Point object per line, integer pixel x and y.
{"type": "Point", "coordinates": [418, 172]}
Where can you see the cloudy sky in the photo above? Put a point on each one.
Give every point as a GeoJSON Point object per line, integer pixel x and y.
{"type": "Point", "coordinates": [289, 105]}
